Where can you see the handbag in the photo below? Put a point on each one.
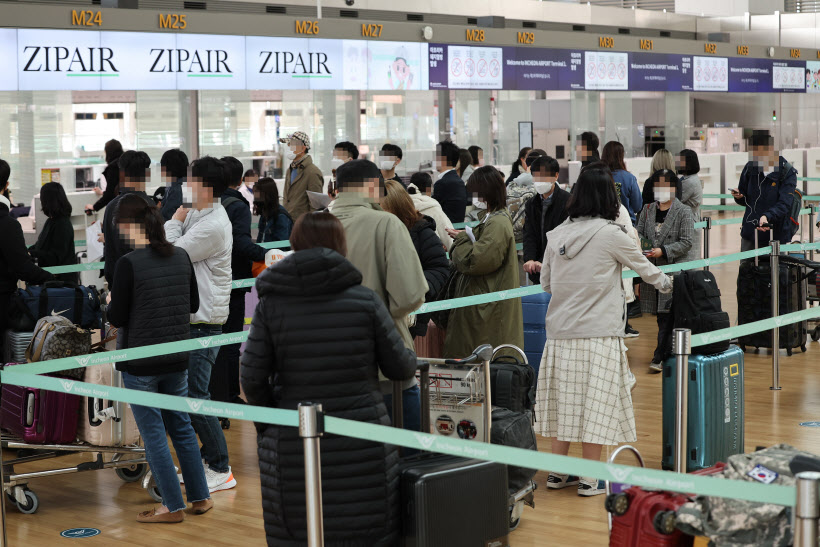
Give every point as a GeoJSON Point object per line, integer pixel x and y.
{"type": "Point", "coordinates": [56, 337]}
{"type": "Point", "coordinates": [81, 305]}
{"type": "Point", "coordinates": [447, 292]}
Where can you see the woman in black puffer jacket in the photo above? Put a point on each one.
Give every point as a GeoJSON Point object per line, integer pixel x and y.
{"type": "Point", "coordinates": [431, 253]}
{"type": "Point", "coordinates": [318, 335]}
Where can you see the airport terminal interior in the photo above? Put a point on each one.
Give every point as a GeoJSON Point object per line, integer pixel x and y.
{"type": "Point", "coordinates": [728, 81]}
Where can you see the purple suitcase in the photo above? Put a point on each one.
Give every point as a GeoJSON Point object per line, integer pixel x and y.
{"type": "Point", "coordinates": [39, 416]}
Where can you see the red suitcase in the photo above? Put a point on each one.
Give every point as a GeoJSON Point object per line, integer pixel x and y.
{"type": "Point", "coordinates": [39, 416]}
{"type": "Point", "coordinates": [641, 518]}
{"type": "Point", "coordinates": [431, 344]}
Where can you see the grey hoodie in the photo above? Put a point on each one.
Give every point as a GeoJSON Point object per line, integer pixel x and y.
{"type": "Point", "coordinates": [582, 271]}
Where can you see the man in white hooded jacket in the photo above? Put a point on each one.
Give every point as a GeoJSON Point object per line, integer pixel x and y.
{"type": "Point", "coordinates": [205, 232]}
{"type": "Point", "coordinates": [420, 189]}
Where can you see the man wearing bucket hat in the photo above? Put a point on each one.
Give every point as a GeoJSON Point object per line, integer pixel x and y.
{"type": "Point", "coordinates": [302, 175]}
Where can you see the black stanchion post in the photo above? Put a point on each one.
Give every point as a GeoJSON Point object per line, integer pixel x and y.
{"type": "Point", "coordinates": [774, 263]}
{"type": "Point", "coordinates": [311, 428]}
{"type": "Point", "coordinates": [706, 231]}
{"type": "Point", "coordinates": [807, 509]}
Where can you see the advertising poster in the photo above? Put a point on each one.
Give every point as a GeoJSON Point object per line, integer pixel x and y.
{"type": "Point", "coordinates": [294, 63]}
{"type": "Point", "coordinates": [437, 66]}
{"type": "Point", "coordinates": [813, 76]}
{"type": "Point", "coordinates": [789, 76]}
{"type": "Point", "coordinates": [72, 60]}
{"type": "Point", "coordinates": [143, 58]}
{"type": "Point", "coordinates": [658, 72]}
{"type": "Point", "coordinates": [475, 67]}
{"type": "Point", "coordinates": [750, 75]}
{"type": "Point", "coordinates": [543, 69]}
{"type": "Point", "coordinates": [606, 70]}
{"type": "Point", "coordinates": [8, 59]}
{"type": "Point", "coordinates": [710, 74]}
{"type": "Point", "coordinates": [394, 65]}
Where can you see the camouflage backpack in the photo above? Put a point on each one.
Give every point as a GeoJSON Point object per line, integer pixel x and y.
{"type": "Point", "coordinates": [517, 197]}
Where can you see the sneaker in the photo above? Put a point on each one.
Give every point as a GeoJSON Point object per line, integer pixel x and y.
{"type": "Point", "coordinates": [204, 465]}
{"type": "Point", "coordinates": [219, 481]}
{"type": "Point", "coordinates": [557, 481]}
{"type": "Point", "coordinates": [630, 332]}
{"type": "Point", "coordinates": [654, 366]}
{"type": "Point", "coordinates": [633, 309]}
{"type": "Point", "coordinates": [632, 382]}
{"type": "Point", "coordinates": [591, 487]}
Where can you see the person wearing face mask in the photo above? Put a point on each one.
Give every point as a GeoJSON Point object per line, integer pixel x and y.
{"type": "Point", "coordinates": [343, 152]}
{"type": "Point", "coordinates": [518, 163]}
{"type": "Point", "coordinates": [668, 225]}
{"type": "Point", "coordinates": [449, 189]}
{"type": "Point", "coordinates": [543, 212]}
{"type": "Point", "coordinates": [389, 159]}
{"type": "Point", "coordinates": [476, 161]}
{"type": "Point", "coordinates": [765, 189]}
{"type": "Point", "coordinates": [302, 175]}
{"type": "Point", "coordinates": [487, 261]}
{"type": "Point", "coordinates": [275, 223]}
{"type": "Point", "coordinates": [134, 171]}
{"type": "Point", "coordinates": [248, 180]}
{"type": "Point", "coordinates": [380, 247]}
{"type": "Point", "coordinates": [174, 169]}
{"type": "Point", "coordinates": [420, 190]}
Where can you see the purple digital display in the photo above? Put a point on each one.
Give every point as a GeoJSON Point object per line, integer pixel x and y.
{"type": "Point", "coordinates": [538, 68]}
{"type": "Point", "coordinates": [659, 72]}
{"type": "Point", "coordinates": [437, 54]}
{"type": "Point", "coordinates": [750, 75]}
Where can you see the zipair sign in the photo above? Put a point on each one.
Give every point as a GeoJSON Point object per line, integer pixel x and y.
{"type": "Point", "coordinates": [108, 60]}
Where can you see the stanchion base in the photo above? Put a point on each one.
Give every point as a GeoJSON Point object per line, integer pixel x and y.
{"type": "Point", "coordinates": [775, 388]}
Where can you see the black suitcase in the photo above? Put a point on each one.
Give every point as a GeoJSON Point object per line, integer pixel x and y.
{"type": "Point", "coordinates": [450, 501]}
{"type": "Point", "coordinates": [754, 297]}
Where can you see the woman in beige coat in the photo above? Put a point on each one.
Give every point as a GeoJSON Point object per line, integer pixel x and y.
{"type": "Point", "coordinates": [584, 382]}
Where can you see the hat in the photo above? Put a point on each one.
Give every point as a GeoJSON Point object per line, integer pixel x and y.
{"type": "Point", "coordinates": [299, 136]}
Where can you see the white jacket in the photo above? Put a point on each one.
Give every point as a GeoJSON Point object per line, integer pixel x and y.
{"type": "Point", "coordinates": [624, 220]}
{"type": "Point", "coordinates": [432, 208]}
{"type": "Point", "coordinates": [207, 236]}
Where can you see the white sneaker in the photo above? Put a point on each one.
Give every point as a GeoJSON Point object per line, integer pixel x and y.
{"type": "Point", "coordinates": [591, 487]}
{"type": "Point", "coordinates": [219, 481]}
{"type": "Point", "coordinates": [632, 382]}
{"type": "Point", "coordinates": [556, 481]}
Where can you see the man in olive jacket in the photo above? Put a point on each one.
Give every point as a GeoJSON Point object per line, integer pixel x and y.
{"type": "Point", "coordinates": [379, 245]}
{"type": "Point", "coordinates": [302, 175]}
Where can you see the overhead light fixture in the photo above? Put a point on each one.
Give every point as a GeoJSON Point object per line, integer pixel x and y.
{"type": "Point", "coordinates": [664, 10]}
{"type": "Point", "coordinates": [427, 32]}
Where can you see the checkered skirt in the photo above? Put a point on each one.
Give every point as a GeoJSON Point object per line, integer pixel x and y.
{"type": "Point", "coordinates": [583, 392]}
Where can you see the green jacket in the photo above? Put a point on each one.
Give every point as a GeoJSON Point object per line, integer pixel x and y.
{"type": "Point", "coordinates": [379, 245]}
{"type": "Point", "coordinates": [488, 265]}
{"type": "Point", "coordinates": [309, 177]}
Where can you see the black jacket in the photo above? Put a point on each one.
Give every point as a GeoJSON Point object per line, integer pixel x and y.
{"type": "Point", "coordinates": [434, 262]}
{"type": "Point", "coordinates": [15, 262]}
{"type": "Point", "coordinates": [173, 199]}
{"type": "Point", "coordinates": [55, 247]}
{"type": "Point", "coordinates": [318, 335]}
{"type": "Point", "coordinates": [451, 193]}
{"type": "Point", "coordinates": [245, 251]}
{"type": "Point", "coordinates": [116, 247]}
{"type": "Point", "coordinates": [770, 195]}
{"type": "Point", "coordinates": [112, 184]}
{"type": "Point", "coordinates": [153, 299]}
{"type": "Point", "coordinates": [537, 222]}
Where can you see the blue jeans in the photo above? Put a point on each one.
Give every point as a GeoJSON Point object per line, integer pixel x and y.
{"type": "Point", "coordinates": [200, 362]}
{"type": "Point", "coordinates": [411, 406]}
{"type": "Point", "coordinates": [178, 424]}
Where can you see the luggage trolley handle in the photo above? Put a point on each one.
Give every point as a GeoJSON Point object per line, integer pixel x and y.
{"type": "Point", "coordinates": [611, 459]}
{"type": "Point", "coordinates": [423, 367]}
{"type": "Point", "coordinates": [768, 225]}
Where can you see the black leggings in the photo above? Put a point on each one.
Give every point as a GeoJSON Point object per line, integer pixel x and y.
{"type": "Point", "coordinates": [664, 347]}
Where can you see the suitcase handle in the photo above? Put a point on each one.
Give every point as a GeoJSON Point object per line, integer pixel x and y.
{"type": "Point", "coordinates": [423, 367]}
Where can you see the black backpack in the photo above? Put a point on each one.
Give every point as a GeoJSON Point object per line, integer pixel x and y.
{"type": "Point", "coordinates": [696, 306]}
{"type": "Point", "coordinates": [512, 384]}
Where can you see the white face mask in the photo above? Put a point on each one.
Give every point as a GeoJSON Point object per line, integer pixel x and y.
{"type": "Point", "coordinates": [187, 195]}
{"type": "Point", "coordinates": [335, 163]}
{"type": "Point", "coordinates": [478, 204]}
{"type": "Point", "coordinates": [290, 155]}
{"type": "Point", "coordinates": [386, 164]}
{"type": "Point", "coordinates": [662, 196]}
{"type": "Point", "coordinates": [542, 187]}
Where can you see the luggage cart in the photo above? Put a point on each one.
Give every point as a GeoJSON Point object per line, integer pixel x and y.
{"type": "Point", "coordinates": [810, 274]}
{"type": "Point", "coordinates": [128, 462]}
{"type": "Point", "coordinates": [460, 404]}
{"type": "Point", "coordinates": [617, 502]}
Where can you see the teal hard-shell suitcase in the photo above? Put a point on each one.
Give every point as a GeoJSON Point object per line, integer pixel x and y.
{"type": "Point", "coordinates": [715, 425]}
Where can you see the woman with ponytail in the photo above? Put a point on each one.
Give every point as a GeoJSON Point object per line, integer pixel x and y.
{"type": "Point", "coordinates": [150, 302]}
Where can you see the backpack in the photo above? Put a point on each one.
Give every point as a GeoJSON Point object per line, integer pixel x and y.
{"type": "Point", "coordinates": [514, 429]}
{"type": "Point", "coordinates": [56, 337]}
{"type": "Point", "coordinates": [696, 306]}
{"type": "Point", "coordinates": [512, 384]}
{"type": "Point", "coordinates": [517, 197]}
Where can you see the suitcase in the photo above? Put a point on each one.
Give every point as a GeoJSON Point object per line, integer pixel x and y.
{"type": "Point", "coordinates": [715, 427]}
{"type": "Point", "coordinates": [89, 278]}
{"type": "Point", "coordinates": [106, 423]}
{"type": "Point", "coordinates": [754, 298]}
{"type": "Point", "coordinates": [14, 346]}
{"type": "Point", "coordinates": [432, 344]}
{"type": "Point", "coordinates": [515, 429]}
{"type": "Point", "coordinates": [534, 307]}
{"type": "Point", "coordinates": [39, 416]}
{"type": "Point", "coordinates": [641, 517]}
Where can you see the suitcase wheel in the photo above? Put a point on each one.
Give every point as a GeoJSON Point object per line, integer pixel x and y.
{"type": "Point", "coordinates": [133, 473]}
{"type": "Point", "coordinates": [743, 348]}
{"type": "Point", "coordinates": [31, 505]}
{"type": "Point", "coordinates": [789, 352]}
{"type": "Point", "coordinates": [617, 504]}
{"type": "Point", "coordinates": [664, 522]}
{"type": "Point", "coordinates": [225, 422]}
{"type": "Point", "coordinates": [815, 334]}
{"type": "Point", "coordinates": [803, 348]}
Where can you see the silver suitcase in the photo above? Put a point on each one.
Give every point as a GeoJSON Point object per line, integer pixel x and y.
{"type": "Point", "coordinates": [14, 346]}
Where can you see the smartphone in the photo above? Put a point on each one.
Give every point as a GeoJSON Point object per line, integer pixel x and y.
{"type": "Point", "coordinates": [733, 191]}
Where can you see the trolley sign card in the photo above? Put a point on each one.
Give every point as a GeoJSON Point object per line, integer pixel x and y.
{"type": "Point", "coordinates": [457, 399]}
